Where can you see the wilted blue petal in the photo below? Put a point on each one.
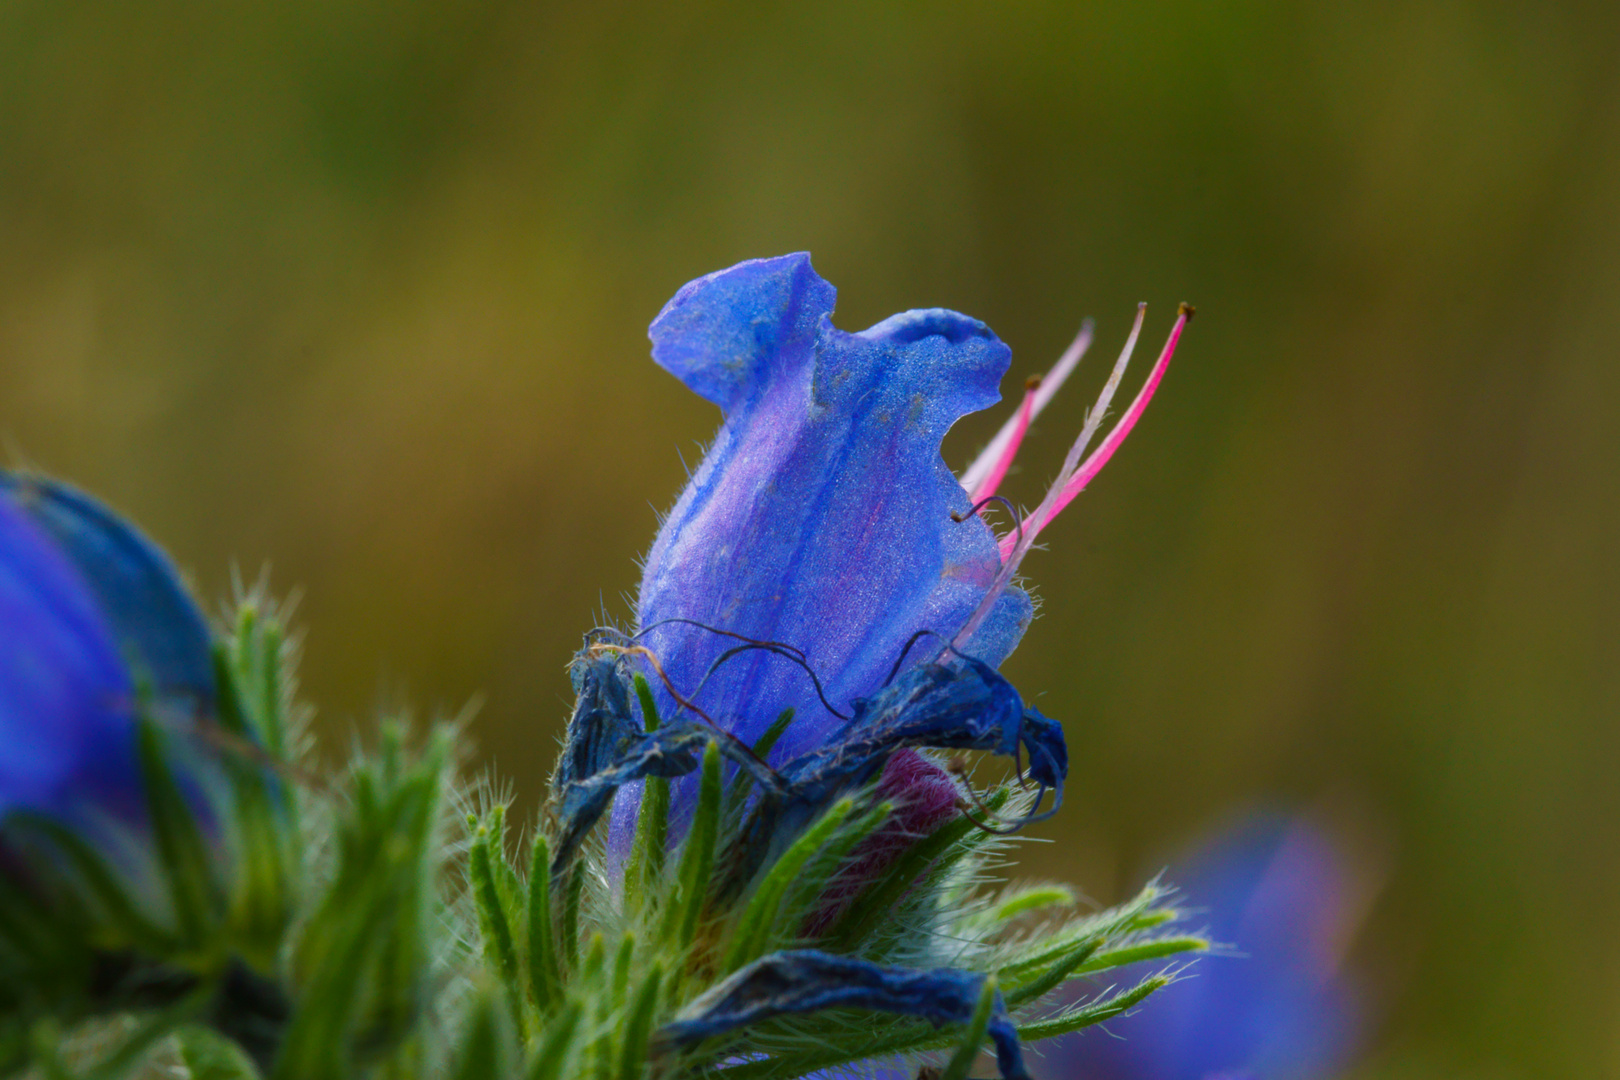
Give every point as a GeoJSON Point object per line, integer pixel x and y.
{"type": "Point", "coordinates": [806, 981]}
{"type": "Point", "coordinates": [154, 621]}
{"type": "Point", "coordinates": [606, 749]}
{"type": "Point", "coordinates": [822, 515]}
{"type": "Point", "coordinates": [956, 705]}
{"type": "Point", "coordinates": [67, 704]}
{"type": "Point", "coordinates": [1276, 890]}
{"type": "Point", "coordinates": [601, 729]}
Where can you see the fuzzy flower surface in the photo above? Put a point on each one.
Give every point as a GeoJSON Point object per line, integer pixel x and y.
{"type": "Point", "coordinates": [822, 515]}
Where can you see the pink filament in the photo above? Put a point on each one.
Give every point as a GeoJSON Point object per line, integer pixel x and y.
{"type": "Point", "coordinates": [974, 478]}
{"type": "Point", "coordinates": [1100, 457]}
{"type": "Point", "coordinates": [1074, 476]}
{"type": "Point", "coordinates": [998, 471]}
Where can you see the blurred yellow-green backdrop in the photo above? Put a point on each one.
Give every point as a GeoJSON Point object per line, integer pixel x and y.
{"type": "Point", "coordinates": [357, 290]}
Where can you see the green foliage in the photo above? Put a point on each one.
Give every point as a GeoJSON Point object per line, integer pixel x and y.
{"type": "Point", "coordinates": [290, 928]}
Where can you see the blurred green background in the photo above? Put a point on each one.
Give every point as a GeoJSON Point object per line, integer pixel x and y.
{"type": "Point", "coordinates": [357, 290]}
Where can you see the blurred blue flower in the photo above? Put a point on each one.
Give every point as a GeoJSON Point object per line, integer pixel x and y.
{"type": "Point", "coordinates": [1278, 894]}
{"type": "Point", "coordinates": [95, 629]}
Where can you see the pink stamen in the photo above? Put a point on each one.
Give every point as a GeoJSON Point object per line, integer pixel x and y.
{"type": "Point", "coordinates": [1100, 457]}
{"type": "Point", "coordinates": [1012, 432]}
{"type": "Point", "coordinates": [998, 472]}
{"type": "Point", "coordinates": [1015, 545]}
{"type": "Point", "coordinates": [1074, 475]}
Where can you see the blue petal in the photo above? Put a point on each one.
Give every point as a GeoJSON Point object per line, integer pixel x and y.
{"type": "Point", "coordinates": [67, 735]}
{"type": "Point", "coordinates": [821, 516]}
{"type": "Point", "coordinates": [154, 620]}
{"type": "Point", "coordinates": [806, 981]}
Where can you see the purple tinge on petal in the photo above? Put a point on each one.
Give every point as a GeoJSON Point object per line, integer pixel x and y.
{"type": "Point", "coordinates": [924, 797]}
{"type": "Point", "coordinates": [822, 515]}
{"type": "Point", "coordinates": [67, 734]}
{"type": "Point", "coordinates": [1274, 890]}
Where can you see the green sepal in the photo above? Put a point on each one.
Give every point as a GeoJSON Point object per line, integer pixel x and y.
{"type": "Point", "coordinates": [638, 1028]}
{"type": "Point", "coordinates": [555, 1049]}
{"type": "Point", "coordinates": [1030, 898]}
{"type": "Point", "coordinates": [973, 1038]}
{"type": "Point", "coordinates": [743, 782]}
{"type": "Point", "coordinates": [483, 1049]}
{"type": "Point", "coordinates": [545, 979]}
{"type": "Point", "coordinates": [500, 950]}
{"type": "Point", "coordinates": [101, 886]}
{"type": "Point", "coordinates": [752, 934]}
{"type": "Point", "coordinates": [645, 868]}
{"type": "Point", "coordinates": [263, 821]}
{"type": "Point", "coordinates": [210, 1056]}
{"type": "Point", "coordinates": [697, 856]}
{"type": "Point", "coordinates": [185, 861]}
{"type": "Point", "coordinates": [1094, 1013]}
{"type": "Point", "coordinates": [936, 852]}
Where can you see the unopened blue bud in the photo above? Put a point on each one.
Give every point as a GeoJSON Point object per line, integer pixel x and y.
{"type": "Point", "coordinates": [95, 630]}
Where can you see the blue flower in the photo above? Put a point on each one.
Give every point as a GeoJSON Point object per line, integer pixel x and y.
{"type": "Point", "coordinates": [95, 631]}
{"type": "Point", "coordinates": [823, 538]}
{"type": "Point", "coordinates": [823, 565]}
{"type": "Point", "coordinates": [823, 516]}
{"type": "Point", "coordinates": [1278, 892]}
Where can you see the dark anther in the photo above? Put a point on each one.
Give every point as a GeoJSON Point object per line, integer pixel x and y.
{"type": "Point", "coordinates": [644, 631]}
{"type": "Point", "coordinates": [652, 658]}
{"type": "Point", "coordinates": [958, 768]}
{"type": "Point", "coordinates": [912, 640]}
{"type": "Point", "coordinates": [780, 648]}
{"type": "Point", "coordinates": [680, 699]}
{"type": "Point", "coordinates": [1018, 522]}
{"type": "Point", "coordinates": [787, 653]}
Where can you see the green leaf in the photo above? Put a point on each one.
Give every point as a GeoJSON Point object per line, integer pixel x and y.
{"type": "Point", "coordinates": [749, 939]}
{"type": "Point", "coordinates": [697, 855]}
{"type": "Point", "coordinates": [545, 979]}
{"type": "Point", "coordinates": [556, 1045]}
{"type": "Point", "coordinates": [186, 862]}
{"type": "Point", "coordinates": [638, 1029]}
{"type": "Point", "coordinates": [973, 1038]}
